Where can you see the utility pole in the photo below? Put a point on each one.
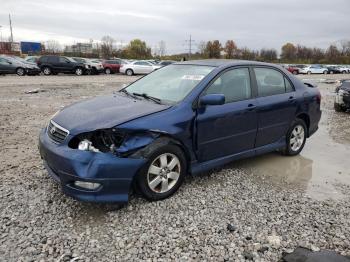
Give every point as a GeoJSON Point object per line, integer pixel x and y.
{"type": "Point", "coordinates": [190, 41]}
{"type": "Point", "coordinates": [11, 38]}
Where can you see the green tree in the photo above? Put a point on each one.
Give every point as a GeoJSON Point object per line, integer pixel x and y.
{"type": "Point", "coordinates": [288, 52]}
{"type": "Point", "coordinates": [213, 49]}
{"type": "Point", "coordinates": [138, 49]}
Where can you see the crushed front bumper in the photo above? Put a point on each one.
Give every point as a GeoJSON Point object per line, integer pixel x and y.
{"type": "Point", "coordinates": [342, 99]}
{"type": "Point", "coordinates": [66, 165]}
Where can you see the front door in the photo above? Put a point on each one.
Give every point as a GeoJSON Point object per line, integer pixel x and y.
{"type": "Point", "coordinates": [65, 65]}
{"type": "Point", "coordinates": [230, 128]}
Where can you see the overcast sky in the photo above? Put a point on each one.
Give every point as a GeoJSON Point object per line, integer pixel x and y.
{"type": "Point", "coordinates": [252, 23]}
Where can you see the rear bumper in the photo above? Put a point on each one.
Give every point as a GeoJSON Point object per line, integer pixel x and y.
{"type": "Point", "coordinates": [66, 165]}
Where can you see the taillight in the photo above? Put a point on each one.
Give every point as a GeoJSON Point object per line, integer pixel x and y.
{"type": "Point", "coordinates": [318, 97]}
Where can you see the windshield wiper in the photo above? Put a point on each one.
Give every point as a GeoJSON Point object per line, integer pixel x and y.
{"type": "Point", "coordinates": [127, 93]}
{"type": "Point", "coordinates": [144, 95]}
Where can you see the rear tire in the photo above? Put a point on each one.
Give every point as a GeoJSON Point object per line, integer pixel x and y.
{"type": "Point", "coordinates": [163, 173]}
{"type": "Point", "coordinates": [108, 71]}
{"type": "Point", "coordinates": [309, 72]}
{"type": "Point", "coordinates": [295, 72]}
{"type": "Point", "coordinates": [20, 71]}
{"type": "Point", "coordinates": [338, 108]}
{"type": "Point", "coordinates": [79, 71]}
{"type": "Point", "coordinates": [295, 138]}
{"type": "Point", "coordinates": [325, 72]}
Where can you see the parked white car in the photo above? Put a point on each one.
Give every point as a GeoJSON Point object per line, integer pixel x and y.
{"type": "Point", "coordinates": [313, 69]}
{"type": "Point", "coordinates": [95, 66]}
{"type": "Point", "coordinates": [138, 67]}
{"type": "Point", "coordinates": [343, 69]}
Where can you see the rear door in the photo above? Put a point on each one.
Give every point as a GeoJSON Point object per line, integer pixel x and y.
{"type": "Point", "coordinates": [276, 105]}
{"type": "Point", "coordinates": [142, 67]}
{"type": "Point", "coordinates": [230, 128]}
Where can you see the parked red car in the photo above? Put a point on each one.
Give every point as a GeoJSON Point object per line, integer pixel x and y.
{"type": "Point", "coordinates": [293, 69]}
{"type": "Point", "coordinates": [112, 66]}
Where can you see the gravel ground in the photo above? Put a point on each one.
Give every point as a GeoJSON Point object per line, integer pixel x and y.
{"type": "Point", "coordinates": [232, 214]}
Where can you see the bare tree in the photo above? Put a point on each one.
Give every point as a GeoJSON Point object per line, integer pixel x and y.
{"type": "Point", "coordinates": [202, 45]}
{"type": "Point", "coordinates": [53, 46]}
{"type": "Point", "coordinates": [162, 48]}
{"type": "Point", "coordinates": [230, 49]}
{"type": "Point", "coordinates": [107, 46]}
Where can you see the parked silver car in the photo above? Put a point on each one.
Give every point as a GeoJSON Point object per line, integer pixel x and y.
{"type": "Point", "coordinates": [138, 67]}
{"type": "Point", "coordinates": [17, 65]}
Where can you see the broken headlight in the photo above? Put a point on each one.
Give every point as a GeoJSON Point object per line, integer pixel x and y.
{"type": "Point", "coordinates": [106, 140]}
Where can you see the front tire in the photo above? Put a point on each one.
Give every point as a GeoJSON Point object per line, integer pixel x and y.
{"type": "Point", "coordinates": [295, 72]}
{"type": "Point", "coordinates": [325, 72]}
{"type": "Point", "coordinates": [47, 71]}
{"type": "Point", "coordinates": [338, 108]}
{"type": "Point", "coordinates": [129, 72]}
{"type": "Point", "coordinates": [20, 71]}
{"type": "Point", "coordinates": [295, 138]}
{"type": "Point", "coordinates": [163, 173]}
{"type": "Point", "coordinates": [108, 71]}
{"type": "Point", "coordinates": [309, 72]}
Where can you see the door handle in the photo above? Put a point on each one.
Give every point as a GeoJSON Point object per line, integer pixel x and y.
{"type": "Point", "coordinates": [291, 99]}
{"type": "Point", "coordinates": [251, 107]}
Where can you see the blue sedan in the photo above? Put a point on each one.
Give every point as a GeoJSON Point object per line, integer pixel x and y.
{"type": "Point", "coordinates": [183, 119]}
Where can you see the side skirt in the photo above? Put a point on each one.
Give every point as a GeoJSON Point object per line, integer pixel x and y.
{"type": "Point", "coordinates": [197, 168]}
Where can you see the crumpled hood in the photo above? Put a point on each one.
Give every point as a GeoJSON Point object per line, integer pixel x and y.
{"type": "Point", "coordinates": [104, 112]}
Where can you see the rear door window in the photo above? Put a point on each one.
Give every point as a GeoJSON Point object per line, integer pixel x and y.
{"type": "Point", "coordinates": [52, 59]}
{"type": "Point", "coordinates": [271, 82]}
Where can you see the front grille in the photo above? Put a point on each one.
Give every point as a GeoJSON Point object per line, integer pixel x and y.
{"type": "Point", "coordinates": [56, 132]}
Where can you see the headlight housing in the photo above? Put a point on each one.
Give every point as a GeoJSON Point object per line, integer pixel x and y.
{"type": "Point", "coordinates": [105, 140]}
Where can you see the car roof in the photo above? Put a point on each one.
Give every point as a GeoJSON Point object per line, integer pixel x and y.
{"type": "Point", "coordinates": [223, 62]}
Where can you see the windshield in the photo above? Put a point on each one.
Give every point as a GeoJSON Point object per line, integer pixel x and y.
{"type": "Point", "coordinates": [74, 60]}
{"type": "Point", "coordinates": [171, 83]}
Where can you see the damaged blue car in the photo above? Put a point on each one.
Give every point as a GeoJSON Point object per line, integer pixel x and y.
{"type": "Point", "coordinates": [185, 118]}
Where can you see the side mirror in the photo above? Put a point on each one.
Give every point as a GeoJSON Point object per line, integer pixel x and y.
{"type": "Point", "coordinates": [212, 99]}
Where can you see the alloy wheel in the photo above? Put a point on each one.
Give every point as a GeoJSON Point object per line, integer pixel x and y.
{"type": "Point", "coordinates": [47, 71]}
{"type": "Point", "coordinates": [20, 71]}
{"type": "Point", "coordinates": [297, 138]}
{"type": "Point", "coordinates": [78, 71]}
{"type": "Point", "coordinates": [163, 173]}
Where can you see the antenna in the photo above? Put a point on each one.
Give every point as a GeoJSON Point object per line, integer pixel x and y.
{"type": "Point", "coordinates": [11, 38]}
{"type": "Point", "coordinates": [190, 41]}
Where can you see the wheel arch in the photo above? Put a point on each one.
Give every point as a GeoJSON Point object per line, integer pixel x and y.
{"type": "Point", "coordinates": [162, 140]}
{"type": "Point", "coordinates": [306, 118]}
